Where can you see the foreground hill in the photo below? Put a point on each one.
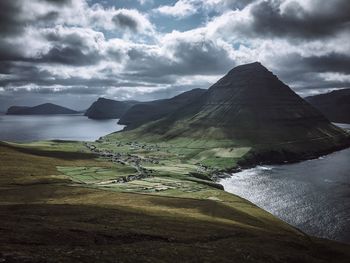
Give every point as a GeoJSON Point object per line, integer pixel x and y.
{"type": "Point", "coordinates": [59, 204]}
{"type": "Point", "coordinates": [42, 109]}
{"type": "Point", "coordinates": [108, 109]}
{"type": "Point", "coordinates": [150, 111]}
{"type": "Point", "coordinates": [248, 108]}
{"type": "Point", "coordinates": [334, 105]}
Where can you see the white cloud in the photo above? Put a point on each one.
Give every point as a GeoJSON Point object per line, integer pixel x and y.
{"type": "Point", "coordinates": [180, 9]}
{"type": "Point", "coordinates": [335, 77]}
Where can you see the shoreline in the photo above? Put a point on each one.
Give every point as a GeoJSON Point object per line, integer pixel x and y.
{"type": "Point", "coordinates": [276, 194]}
{"type": "Point", "coordinates": [264, 158]}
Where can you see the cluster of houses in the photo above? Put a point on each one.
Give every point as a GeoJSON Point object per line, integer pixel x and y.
{"type": "Point", "coordinates": [125, 159]}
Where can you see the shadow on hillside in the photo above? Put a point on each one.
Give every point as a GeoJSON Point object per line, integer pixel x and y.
{"type": "Point", "coordinates": [211, 208]}
{"type": "Point", "coordinates": [55, 154]}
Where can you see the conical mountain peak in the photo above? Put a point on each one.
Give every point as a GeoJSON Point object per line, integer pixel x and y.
{"type": "Point", "coordinates": [249, 76]}
{"type": "Point", "coordinates": [248, 103]}
{"type": "Point", "coordinates": [251, 68]}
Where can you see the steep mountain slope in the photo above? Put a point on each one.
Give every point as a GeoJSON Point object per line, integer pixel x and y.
{"type": "Point", "coordinates": [108, 109]}
{"type": "Point", "coordinates": [46, 108]}
{"type": "Point", "coordinates": [153, 110]}
{"type": "Point", "coordinates": [334, 105]}
{"type": "Point", "coordinates": [251, 107]}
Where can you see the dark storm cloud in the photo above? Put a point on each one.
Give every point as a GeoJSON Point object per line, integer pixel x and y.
{"type": "Point", "coordinates": [73, 47]}
{"type": "Point", "coordinates": [70, 51]}
{"type": "Point", "coordinates": [9, 52]}
{"type": "Point", "coordinates": [294, 66]}
{"type": "Point", "coordinates": [50, 17]}
{"type": "Point", "coordinates": [5, 67]}
{"type": "Point", "coordinates": [305, 81]}
{"type": "Point", "coordinates": [21, 74]}
{"type": "Point", "coordinates": [329, 63]}
{"type": "Point", "coordinates": [192, 58]}
{"type": "Point", "coordinates": [237, 4]}
{"type": "Point", "coordinates": [125, 21]}
{"type": "Point", "coordinates": [72, 56]}
{"type": "Point", "coordinates": [71, 39]}
{"type": "Point", "coordinates": [201, 58]}
{"type": "Point", "coordinates": [57, 2]}
{"type": "Point", "coordinates": [14, 19]}
{"type": "Point", "coordinates": [326, 19]}
{"type": "Point", "coordinates": [10, 21]}
{"type": "Point", "coordinates": [305, 74]}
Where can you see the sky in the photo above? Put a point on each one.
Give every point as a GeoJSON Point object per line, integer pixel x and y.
{"type": "Point", "coordinates": [71, 52]}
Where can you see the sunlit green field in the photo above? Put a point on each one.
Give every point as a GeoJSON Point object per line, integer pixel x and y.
{"type": "Point", "coordinates": [59, 203]}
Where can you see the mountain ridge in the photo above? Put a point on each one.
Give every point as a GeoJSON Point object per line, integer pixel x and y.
{"type": "Point", "coordinates": [335, 105]}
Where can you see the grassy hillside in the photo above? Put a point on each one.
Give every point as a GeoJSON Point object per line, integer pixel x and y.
{"type": "Point", "coordinates": [142, 113]}
{"type": "Point", "coordinates": [56, 205]}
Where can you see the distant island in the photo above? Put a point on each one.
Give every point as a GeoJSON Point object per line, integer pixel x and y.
{"type": "Point", "coordinates": [42, 109]}
{"type": "Point", "coordinates": [108, 109]}
{"type": "Point", "coordinates": [334, 105]}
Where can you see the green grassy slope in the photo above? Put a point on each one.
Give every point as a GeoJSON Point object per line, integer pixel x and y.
{"type": "Point", "coordinates": [48, 216]}
{"type": "Point", "coordinates": [198, 155]}
{"type": "Point", "coordinates": [142, 113]}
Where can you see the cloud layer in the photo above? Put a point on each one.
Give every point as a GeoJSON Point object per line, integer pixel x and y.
{"type": "Point", "coordinates": [87, 48]}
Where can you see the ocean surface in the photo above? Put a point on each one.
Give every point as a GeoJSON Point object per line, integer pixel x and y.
{"type": "Point", "coordinates": [313, 195]}
{"type": "Point", "coordinates": [18, 128]}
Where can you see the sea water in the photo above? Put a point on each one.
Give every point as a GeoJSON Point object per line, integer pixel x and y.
{"type": "Point", "coordinates": [25, 128]}
{"type": "Point", "coordinates": [312, 195]}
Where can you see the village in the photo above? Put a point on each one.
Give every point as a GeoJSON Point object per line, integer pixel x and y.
{"type": "Point", "coordinates": [127, 159]}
